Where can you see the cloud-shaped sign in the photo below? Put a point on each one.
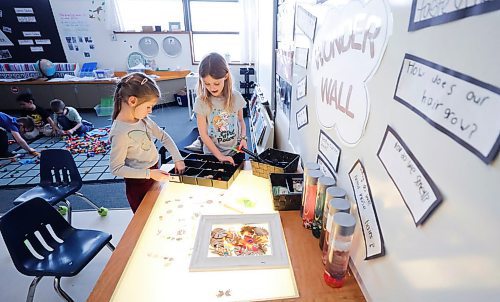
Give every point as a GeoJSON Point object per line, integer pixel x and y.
{"type": "Point", "coordinates": [347, 51]}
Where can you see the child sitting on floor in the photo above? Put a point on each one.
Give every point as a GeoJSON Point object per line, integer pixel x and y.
{"type": "Point", "coordinates": [12, 125]}
{"type": "Point", "coordinates": [44, 124]}
{"type": "Point", "coordinates": [68, 119]}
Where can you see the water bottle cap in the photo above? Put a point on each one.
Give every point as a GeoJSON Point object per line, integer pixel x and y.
{"type": "Point", "coordinates": [336, 205]}
{"type": "Point", "coordinates": [326, 181]}
{"type": "Point", "coordinates": [312, 176]}
{"type": "Point", "coordinates": [344, 224]}
{"type": "Point", "coordinates": [310, 166]}
{"type": "Point", "coordinates": [336, 192]}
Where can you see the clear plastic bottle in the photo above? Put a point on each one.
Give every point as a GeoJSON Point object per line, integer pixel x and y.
{"type": "Point", "coordinates": [310, 202]}
{"type": "Point", "coordinates": [324, 183]}
{"type": "Point", "coordinates": [338, 251]}
{"type": "Point", "coordinates": [331, 192]}
{"type": "Point", "coordinates": [335, 206]}
{"type": "Point", "coordinates": [310, 166]}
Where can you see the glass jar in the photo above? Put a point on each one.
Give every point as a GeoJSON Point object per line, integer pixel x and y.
{"type": "Point", "coordinates": [324, 183]}
{"type": "Point", "coordinates": [331, 192]}
{"type": "Point", "coordinates": [338, 251]}
{"type": "Point", "coordinates": [335, 206]}
{"type": "Point", "coordinates": [310, 166]}
{"type": "Point", "coordinates": [310, 202]}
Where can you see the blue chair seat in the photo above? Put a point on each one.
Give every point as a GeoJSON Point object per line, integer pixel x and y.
{"type": "Point", "coordinates": [50, 194]}
{"type": "Point", "coordinates": [42, 243]}
{"type": "Point", "coordinates": [70, 258]}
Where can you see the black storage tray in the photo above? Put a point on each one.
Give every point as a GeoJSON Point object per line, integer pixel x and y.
{"type": "Point", "coordinates": [281, 159]}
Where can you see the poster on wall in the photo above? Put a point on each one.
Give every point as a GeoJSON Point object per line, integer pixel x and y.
{"type": "Point", "coordinates": [4, 40]}
{"type": "Point", "coordinates": [417, 189]}
{"type": "Point", "coordinates": [374, 241]}
{"type": "Point", "coordinates": [301, 56]}
{"type": "Point", "coordinates": [324, 168]}
{"type": "Point", "coordinates": [462, 107]}
{"type": "Point", "coordinates": [306, 22]}
{"type": "Point", "coordinates": [425, 13]}
{"type": "Point", "coordinates": [329, 149]}
{"type": "Point", "coordinates": [302, 88]}
{"type": "Point", "coordinates": [285, 21]}
{"type": "Point", "coordinates": [302, 117]}
{"type": "Point", "coordinates": [76, 27]}
{"type": "Point", "coordinates": [343, 61]}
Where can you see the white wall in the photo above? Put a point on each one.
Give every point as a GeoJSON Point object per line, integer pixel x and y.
{"type": "Point", "coordinates": [72, 20]}
{"type": "Point", "coordinates": [453, 256]}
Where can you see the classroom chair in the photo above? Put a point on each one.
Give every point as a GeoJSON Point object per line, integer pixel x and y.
{"type": "Point", "coordinates": [42, 243]}
{"type": "Point", "coordinates": [59, 179]}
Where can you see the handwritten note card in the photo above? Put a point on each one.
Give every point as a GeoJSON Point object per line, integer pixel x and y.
{"type": "Point", "coordinates": [464, 108]}
{"type": "Point", "coordinates": [302, 88]}
{"type": "Point", "coordinates": [425, 13]}
{"type": "Point", "coordinates": [374, 242]}
{"type": "Point", "coordinates": [415, 186]}
{"type": "Point", "coordinates": [324, 168]}
{"type": "Point", "coordinates": [301, 56]}
{"type": "Point", "coordinates": [306, 22]}
{"type": "Point", "coordinates": [329, 149]}
{"type": "Point", "coordinates": [302, 117]}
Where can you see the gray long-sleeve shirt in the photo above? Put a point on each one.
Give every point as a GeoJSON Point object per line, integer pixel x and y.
{"type": "Point", "coordinates": [133, 150]}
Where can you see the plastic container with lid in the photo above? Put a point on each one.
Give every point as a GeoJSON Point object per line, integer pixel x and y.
{"type": "Point", "coordinates": [331, 192]}
{"type": "Point", "coordinates": [335, 206]}
{"type": "Point", "coordinates": [310, 166]}
{"type": "Point", "coordinates": [311, 188]}
{"type": "Point", "coordinates": [338, 251]}
{"type": "Point", "coordinates": [324, 183]}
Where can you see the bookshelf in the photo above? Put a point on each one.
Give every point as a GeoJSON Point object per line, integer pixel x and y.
{"type": "Point", "coordinates": [25, 71]}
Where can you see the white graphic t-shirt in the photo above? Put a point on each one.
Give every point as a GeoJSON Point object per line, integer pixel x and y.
{"type": "Point", "coordinates": [223, 127]}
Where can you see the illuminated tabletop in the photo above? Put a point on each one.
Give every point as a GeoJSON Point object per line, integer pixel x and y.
{"type": "Point", "coordinates": [151, 262]}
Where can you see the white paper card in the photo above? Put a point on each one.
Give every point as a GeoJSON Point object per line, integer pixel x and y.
{"type": "Point", "coordinates": [26, 19]}
{"type": "Point", "coordinates": [301, 56]}
{"type": "Point", "coordinates": [462, 107]}
{"type": "Point", "coordinates": [42, 41]}
{"type": "Point", "coordinates": [36, 49]}
{"type": "Point", "coordinates": [329, 149]}
{"type": "Point", "coordinates": [4, 41]}
{"type": "Point", "coordinates": [306, 22]}
{"type": "Point", "coordinates": [23, 10]}
{"type": "Point", "coordinates": [302, 117]}
{"type": "Point", "coordinates": [324, 168]}
{"type": "Point", "coordinates": [6, 29]}
{"type": "Point", "coordinates": [374, 242]}
{"type": "Point", "coordinates": [302, 88]}
{"type": "Point", "coordinates": [31, 34]}
{"type": "Point", "coordinates": [25, 42]}
{"type": "Point", "coordinates": [415, 186]}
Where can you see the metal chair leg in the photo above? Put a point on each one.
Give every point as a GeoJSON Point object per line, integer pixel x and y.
{"type": "Point", "coordinates": [31, 291]}
{"type": "Point", "coordinates": [60, 291]}
{"type": "Point", "coordinates": [68, 204]}
{"type": "Point", "coordinates": [110, 246]}
{"type": "Point", "coordinates": [90, 202]}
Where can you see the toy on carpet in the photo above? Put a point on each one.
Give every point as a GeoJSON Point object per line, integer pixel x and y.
{"type": "Point", "coordinates": [91, 143]}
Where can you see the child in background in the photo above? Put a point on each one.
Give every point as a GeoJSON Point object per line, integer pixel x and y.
{"type": "Point", "coordinates": [68, 119]}
{"type": "Point", "coordinates": [10, 124]}
{"type": "Point", "coordinates": [219, 109]}
{"type": "Point", "coordinates": [44, 124]}
{"type": "Point", "coordinates": [133, 152]}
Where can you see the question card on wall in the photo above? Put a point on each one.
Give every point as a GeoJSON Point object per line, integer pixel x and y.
{"type": "Point", "coordinates": [414, 184]}
{"type": "Point", "coordinates": [374, 242]}
{"type": "Point", "coordinates": [462, 107]}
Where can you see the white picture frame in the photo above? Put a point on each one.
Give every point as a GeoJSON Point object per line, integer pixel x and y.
{"type": "Point", "coordinates": [203, 259]}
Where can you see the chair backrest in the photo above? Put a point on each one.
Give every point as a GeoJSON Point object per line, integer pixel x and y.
{"type": "Point", "coordinates": [57, 167]}
{"type": "Point", "coordinates": [30, 230]}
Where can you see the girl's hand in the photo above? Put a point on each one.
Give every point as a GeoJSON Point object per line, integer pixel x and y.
{"type": "Point", "coordinates": [243, 143]}
{"type": "Point", "coordinates": [180, 167]}
{"type": "Point", "coordinates": [158, 175]}
{"type": "Point", "coordinates": [225, 158]}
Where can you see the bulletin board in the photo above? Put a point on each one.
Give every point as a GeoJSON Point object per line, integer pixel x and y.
{"type": "Point", "coordinates": [28, 32]}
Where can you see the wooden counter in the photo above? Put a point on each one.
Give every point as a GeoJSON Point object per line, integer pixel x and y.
{"type": "Point", "coordinates": [303, 250]}
{"type": "Point", "coordinates": [82, 94]}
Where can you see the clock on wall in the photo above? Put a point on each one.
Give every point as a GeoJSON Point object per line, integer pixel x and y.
{"type": "Point", "coordinates": [172, 46]}
{"type": "Point", "coordinates": [148, 46]}
{"type": "Point", "coordinates": [134, 59]}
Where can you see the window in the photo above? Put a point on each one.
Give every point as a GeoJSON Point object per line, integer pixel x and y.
{"type": "Point", "coordinates": [137, 13]}
{"type": "Point", "coordinates": [215, 26]}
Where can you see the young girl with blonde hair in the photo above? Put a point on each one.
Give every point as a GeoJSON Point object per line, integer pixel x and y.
{"type": "Point", "coordinates": [219, 109]}
{"type": "Point", "coordinates": [133, 152]}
